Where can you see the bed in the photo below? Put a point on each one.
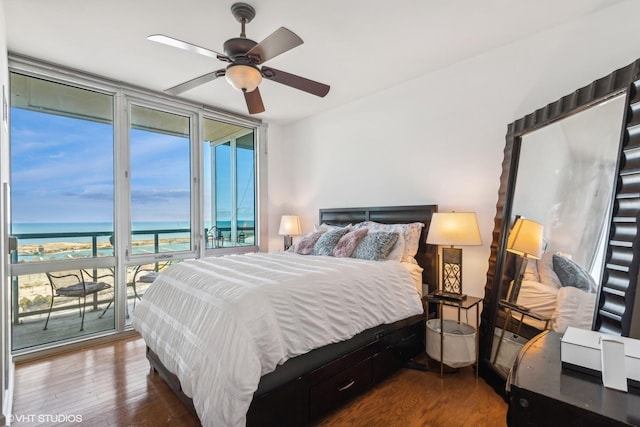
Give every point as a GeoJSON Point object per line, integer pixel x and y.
{"type": "Point", "coordinates": [557, 288]}
{"type": "Point", "coordinates": [303, 387]}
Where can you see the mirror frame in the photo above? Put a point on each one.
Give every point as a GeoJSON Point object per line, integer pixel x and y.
{"type": "Point", "coordinates": [617, 290]}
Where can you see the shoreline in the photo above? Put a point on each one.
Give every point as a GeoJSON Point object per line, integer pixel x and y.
{"type": "Point", "coordinates": [61, 247]}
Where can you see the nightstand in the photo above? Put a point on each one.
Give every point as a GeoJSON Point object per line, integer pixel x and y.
{"type": "Point", "coordinates": [464, 304]}
{"type": "Point", "coordinates": [523, 311]}
{"type": "Point", "coordinates": [542, 393]}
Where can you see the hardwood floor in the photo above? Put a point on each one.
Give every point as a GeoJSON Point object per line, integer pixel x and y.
{"type": "Point", "coordinates": [419, 399]}
{"type": "Point", "coordinates": [110, 384]}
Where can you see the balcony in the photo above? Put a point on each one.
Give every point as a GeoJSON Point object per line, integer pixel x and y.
{"type": "Point", "coordinates": [31, 293]}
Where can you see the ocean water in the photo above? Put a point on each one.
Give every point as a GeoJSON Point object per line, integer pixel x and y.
{"type": "Point", "coordinates": [106, 228]}
{"type": "Point", "coordinates": [35, 241]}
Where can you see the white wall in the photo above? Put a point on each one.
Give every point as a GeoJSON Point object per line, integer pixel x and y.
{"type": "Point", "coordinates": [439, 138]}
{"type": "Point", "coordinates": [279, 176]}
{"type": "Point", "coordinates": [6, 365]}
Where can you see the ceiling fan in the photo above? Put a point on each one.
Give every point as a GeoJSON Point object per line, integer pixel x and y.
{"type": "Point", "coordinates": [245, 70]}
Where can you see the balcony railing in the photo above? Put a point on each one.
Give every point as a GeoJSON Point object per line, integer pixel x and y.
{"type": "Point", "coordinates": [215, 238]}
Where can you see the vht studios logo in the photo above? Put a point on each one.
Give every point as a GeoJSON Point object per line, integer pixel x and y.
{"type": "Point", "coordinates": [45, 418]}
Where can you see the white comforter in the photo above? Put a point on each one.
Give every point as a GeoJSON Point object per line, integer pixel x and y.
{"type": "Point", "coordinates": [220, 323]}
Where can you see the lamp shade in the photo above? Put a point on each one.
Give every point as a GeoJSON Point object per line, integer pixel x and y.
{"type": "Point", "coordinates": [244, 78]}
{"type": "Point", "coordinates": [454, 228]}
{"type": "Point", "coordinates": [289, 225]}
{"type": "Point", "coordinates": [525, 238]}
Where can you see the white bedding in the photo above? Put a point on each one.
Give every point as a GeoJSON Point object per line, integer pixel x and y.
{"type": "Point", "coordinates": [220, 323]}
{"type": "Point", "coordinates": [565, 306]}
{"type": "Point", "coordinates": [575, 308]}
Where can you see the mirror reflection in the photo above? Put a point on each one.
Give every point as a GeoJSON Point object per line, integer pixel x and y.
{"type": "Point", "coordinates": [565, 180]}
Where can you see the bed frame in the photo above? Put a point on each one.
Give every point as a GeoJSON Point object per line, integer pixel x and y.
{"type": "Point", "coordinates": [308, 386]}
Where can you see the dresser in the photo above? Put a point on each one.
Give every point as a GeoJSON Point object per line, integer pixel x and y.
{"type": "Point", "coordinates": [541, 393]}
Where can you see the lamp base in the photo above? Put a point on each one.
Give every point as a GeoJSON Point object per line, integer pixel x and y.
{"type": "Point", "coordinates": [514, 291]}
{"type": "Point", "coordinates": [452, 270]}
{"type": "Point", "coordinates": [288, 242]}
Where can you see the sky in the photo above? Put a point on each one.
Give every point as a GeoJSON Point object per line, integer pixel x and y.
{"type": "Point", "coordinates": [62, 171]}
{"type": "Point", "coordinates": [59, 164]}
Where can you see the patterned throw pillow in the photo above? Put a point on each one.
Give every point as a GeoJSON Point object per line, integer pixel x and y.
{"type": "Point", "coordinates": [571, 274]}
{"type": "Point", "coordinates": [328, 241]}
{"type": "Point", "coordinates": [375, 246]}
{"type": "Point", "coordinates": [305, 245]}
{"type": "Point", "coordinates": [408, 241]}
{"type": "Point", "coordinates": [348, 243]}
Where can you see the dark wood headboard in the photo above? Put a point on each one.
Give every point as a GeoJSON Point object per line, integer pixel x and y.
{"type": "Point", "coordinates": [427, 255]}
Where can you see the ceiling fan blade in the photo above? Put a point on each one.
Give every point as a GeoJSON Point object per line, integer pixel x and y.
{"type": "Point", "coordinates": [297, 82]}
{"type": "Point", "coordinates": [254, 101]}
{"type": "Point", "coordinates": [170, 41]}
{"type": "Point", "coordinates": [280, 41]}
{"type": "Point", "coordinates": [183, 87]}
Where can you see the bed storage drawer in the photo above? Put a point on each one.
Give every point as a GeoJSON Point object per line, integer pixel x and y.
{"type": "Point", "coordinates": [398, 347]}
{"type": "Point", "coordinates": [340, 388]}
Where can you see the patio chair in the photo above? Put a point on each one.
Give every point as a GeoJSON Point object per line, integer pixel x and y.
{"type": "Point", "coordinates": [141, 274]}
{"type": "Point", "coordinates": [73, 285]}
{"type": "Point", "coordinates": [147, 275]}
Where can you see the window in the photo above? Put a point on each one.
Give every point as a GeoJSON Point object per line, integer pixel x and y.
{"type": "Point", "coordinates": [61, 170]}
{"type": "Point", "coordinates": [110, 184]}
{"type": "Point", "coordinates": [62, 206]}
{"type": "Point", "coordinates": [229, 185]}
{"type": "Point", "coordinates": [160, 181]}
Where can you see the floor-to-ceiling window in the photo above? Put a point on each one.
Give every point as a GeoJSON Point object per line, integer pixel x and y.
{"type": "Point", "coordinates": [229, 160]}
{"type": "Point", "coordinates": [160, 196]}
{"type": "Point", "coordinates": [160, 176]}
{"type": "Point", "coordinates": [110, 185]}
{"type": "Point", "coordinates": [62, 208]}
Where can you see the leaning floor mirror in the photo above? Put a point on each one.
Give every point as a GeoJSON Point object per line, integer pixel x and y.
{"type": "Point", "coordinates": [570, 169]}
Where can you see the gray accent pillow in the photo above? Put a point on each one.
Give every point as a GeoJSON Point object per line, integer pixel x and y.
{"type": "Point", "coordinates": [571, 274]}
{"type": "Point", "coordinates": [348, 243]}
{"type": "Point", "coordinates": [305, 245]}
{"type": "Point", "coordinates": [375, 246]}
{"type": "Point", "coordinates": [328, 241]}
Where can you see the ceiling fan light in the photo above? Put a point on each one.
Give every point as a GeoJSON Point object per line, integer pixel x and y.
{"type": "Point", "coordinates": [244, 78]}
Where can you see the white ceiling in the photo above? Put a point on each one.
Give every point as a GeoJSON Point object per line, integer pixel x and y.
{"type": "Point", "coordinates": [356, 47]}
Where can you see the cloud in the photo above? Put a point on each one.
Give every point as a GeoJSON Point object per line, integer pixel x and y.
{"type": "Point", "coordinates": [150, 196]}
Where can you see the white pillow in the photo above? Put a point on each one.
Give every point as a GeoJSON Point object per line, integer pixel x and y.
{"type": "Point", "coordinates": [545, 270]}
{"type": "Point", "coordinates": [416, 274]}
{"type": "Point", "coordinates": [538, 297]}
{"type": "Point", "coordinates": [326, 227]}
{"type": "Point", "coordinates": [575, 308]}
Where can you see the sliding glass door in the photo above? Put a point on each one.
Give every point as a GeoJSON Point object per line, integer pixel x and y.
{"type": "Point", "coordinates": [62, 209]}
{"type": "Point", "coordinates": [161, 230]}
{"type": "Point", "coordinates": [229, 164]}
{"type": "Point", "coordinates": [108, 187]}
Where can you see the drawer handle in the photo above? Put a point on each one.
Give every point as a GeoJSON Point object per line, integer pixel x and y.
{"type": "Point", "coordinates": [347, 385]}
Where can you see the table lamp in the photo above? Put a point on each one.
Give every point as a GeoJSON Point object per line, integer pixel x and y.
{"type": "Point", "coordinates": [453, 229]}
{"type": "Point", "coordinates": [289, 226]}
{"type": "Point", "coordinates": [525, 240]}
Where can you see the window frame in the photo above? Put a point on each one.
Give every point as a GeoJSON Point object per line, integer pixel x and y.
{"type": "Point", "coordinates": [125, 95]}
{"type": "Point", "coordinates": [125, 175]}
{"type": "Point", "coordinates": [232, 140]}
